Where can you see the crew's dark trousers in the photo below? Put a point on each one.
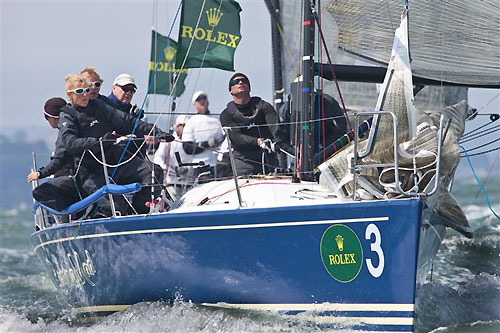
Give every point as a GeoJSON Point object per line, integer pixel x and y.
{"type": "Point", "coordinates": [58, 193]}
{"type": "Point", "coordinates": [136, 170]}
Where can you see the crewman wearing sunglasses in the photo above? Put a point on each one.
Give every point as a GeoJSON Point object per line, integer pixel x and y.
{"type": "Point", "coordinates": [84, 123]}
{"type": "Point", "coordinates": [95, 83]}
{"type": "Point", "coordinates": [122, 92]}
{"type": "Point", "coordinates": [251, 120]}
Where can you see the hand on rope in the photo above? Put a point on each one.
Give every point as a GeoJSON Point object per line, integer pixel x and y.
{"type": "Point", "coordinates": [135, 110]}
{"type": "Point", "coordinates": [125, 137]}
{"type": "Point", "coordinates": [165, 137]}
{"type": "Point", "coordinates": [109, 139]}
{"type": "Point", "coordinates": [268, 145]}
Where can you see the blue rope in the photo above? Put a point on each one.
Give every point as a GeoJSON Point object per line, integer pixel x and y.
{"type": "Point", "coordinates": [149, 88]}
{"type": "Point", "coordinates": [480, 184]}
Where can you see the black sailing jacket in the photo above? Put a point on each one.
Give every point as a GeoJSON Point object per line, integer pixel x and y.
{"type": "Point", "coordinates": [80, 129]}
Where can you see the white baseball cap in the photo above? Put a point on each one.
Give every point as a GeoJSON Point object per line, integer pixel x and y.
{"type": "Point", "coordinates": [198, 94]}
{"type": "Point", "coordinates": [124, 79]}
{"type": "Point", "coordinates": [181, 120]}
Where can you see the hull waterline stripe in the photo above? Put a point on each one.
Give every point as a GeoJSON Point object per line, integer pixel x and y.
{"type": "Point", "coordinates": [216, 227]}
{"type": "Point", "coordinates": [303, 307]}
{"type": "Point", "coordinates": [101, 308]}
{"type": "Point", "coordinates": [321, 307]}
{"type": "Point", "coordinates": [363, 320]}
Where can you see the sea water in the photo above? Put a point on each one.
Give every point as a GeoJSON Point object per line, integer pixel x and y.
{"type": "Point", "coordinates": [462, 294]}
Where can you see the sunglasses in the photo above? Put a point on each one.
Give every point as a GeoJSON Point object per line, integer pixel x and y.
{"type": "Point", "coordinates": [128, 89]}
{"type": "Point", "coordinates": [79, 91]}
{"type": "Point", "coordinates": [201, 98]}
{"type": "Point", "coordinates": [238, 80]}
{"type": "Point", "coordinates": [96, 84]}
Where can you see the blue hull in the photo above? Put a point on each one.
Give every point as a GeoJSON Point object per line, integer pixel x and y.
{"type": "Point", "coordinates": [263, 258]}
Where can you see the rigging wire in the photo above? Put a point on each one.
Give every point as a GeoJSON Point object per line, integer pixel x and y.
{"type": "Point", "coordinates": [481, 108]}
{"type": "Point", "coordinates": [495, 160]}
{"type": "Point", "coordinates": [480, 134]}
{"type": "Point", "coordinates": [484, 145]}
{"type": "Point", "coordinates": [318, 23]}
{"type": "Point", "coordinates": [202, 61]}
{"type": "Point", "coordinates": [477, 129]}
{"type": "Point", "coordinates": [142, 107]}
{"type": "Point", "coordinates": [480, 184]}
{"type": "Point", "coordinates": [481, 153]}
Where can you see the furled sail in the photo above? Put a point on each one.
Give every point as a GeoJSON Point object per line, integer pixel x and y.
{"type": "Point", "coordinates": [453, 41]}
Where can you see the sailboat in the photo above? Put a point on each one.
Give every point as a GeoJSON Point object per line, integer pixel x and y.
{"type": "Point", "coordinates": [339, 248]}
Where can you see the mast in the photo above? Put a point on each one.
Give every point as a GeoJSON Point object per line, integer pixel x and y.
{"type": "Point", "coordinates": [306, 133]}
{"type": "Point", "coordinates": [273, 7]}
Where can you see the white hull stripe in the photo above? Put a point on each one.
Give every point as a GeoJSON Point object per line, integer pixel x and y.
{"type": "Point", "coordinates": [321, 307]}
{"type": "Point", "coordinates": [362, 320]}
{"type": "Point", "coordinates": [304, 307]}
{"type": "Point", "coordinates": [217, 227]}
{"type": "Point", "coordinates": [101, 308]}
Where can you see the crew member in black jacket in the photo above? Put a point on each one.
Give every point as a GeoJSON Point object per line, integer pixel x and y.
{"type": "Point", "coordinates": [83, 123]}
{"type": "Point", "coordinates": [252, 121]}
{"type": "Point", "coordinates": [62, 191]}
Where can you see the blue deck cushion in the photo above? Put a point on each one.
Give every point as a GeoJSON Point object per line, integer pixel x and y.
{"type": "Point", "coordinates": [94, 197]}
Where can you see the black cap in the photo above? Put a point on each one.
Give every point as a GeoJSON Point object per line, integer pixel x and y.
{"type": "Point", "coordinates": [53, 106]}
{"type": "Point", "coordinates": [237, 75]}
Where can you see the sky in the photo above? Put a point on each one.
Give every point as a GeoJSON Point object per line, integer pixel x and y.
{"type": "Point", "coordinates": [43, 41]}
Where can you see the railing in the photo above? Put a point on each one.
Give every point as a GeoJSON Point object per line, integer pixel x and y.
{"type": "Point", "coordinates": [233, 166]}
{"type": "Point", "coordinates": [356, 168]}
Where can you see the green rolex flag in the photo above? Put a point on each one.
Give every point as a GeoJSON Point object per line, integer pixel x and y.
{"type": "Point", "coordinates": [214, 39]}
{"type": "Point", "coordinates": [163, 54]}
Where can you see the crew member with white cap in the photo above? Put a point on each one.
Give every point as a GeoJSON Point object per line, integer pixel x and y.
{"type": "Point", "coordinates": [122, 92]}
{"type": "Point", "coordinates": [165, 157]}
{"type": "Point", "coordinates": [202, 134]}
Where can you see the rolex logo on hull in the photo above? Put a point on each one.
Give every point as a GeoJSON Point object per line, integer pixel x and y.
{"type": "Point", "coordinates": [341, 253]}
{"type": "Point", "coordinates": [213, 16]}
{"type": "Point", "coordinates": [340, 242]}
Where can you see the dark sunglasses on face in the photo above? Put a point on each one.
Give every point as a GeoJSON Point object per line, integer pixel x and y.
{"type": "Point", "coordinates": [96, 84]}
{"type": "Point", "coordinates": [201, 98]}
{"type": "Point", "coordinates": [238, 80]}
{"type": "Point", "coordinates": [128, 89]}
{"type": "Point", "coordinates": [80, 91]}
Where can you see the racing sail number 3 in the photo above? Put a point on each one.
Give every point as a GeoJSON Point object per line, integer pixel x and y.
{"type": "Point", "coordinates": [375, 271]}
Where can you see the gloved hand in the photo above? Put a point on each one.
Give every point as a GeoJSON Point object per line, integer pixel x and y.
{"type": "Point", "coordinates": [109, 139]}
{"type": "Point", "coordinates": [134, 111]}
{"type": "Point", "coordinates": [125, 137]}
{"type": "Point", "coordinates": [165, 137]}
{"type": "Point", "coordinates": [268, 145]}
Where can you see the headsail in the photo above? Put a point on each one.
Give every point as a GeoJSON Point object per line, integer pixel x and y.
{"type": "Point", "coordinates": [454, 41]}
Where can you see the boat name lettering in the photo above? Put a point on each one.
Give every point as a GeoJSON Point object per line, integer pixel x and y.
{"type": "Point", "coordinates": [222, 38]}
{"type": "Point", "coordinates": [342, 259]}
{"type": "Point", "coordinates": [79, 273]}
